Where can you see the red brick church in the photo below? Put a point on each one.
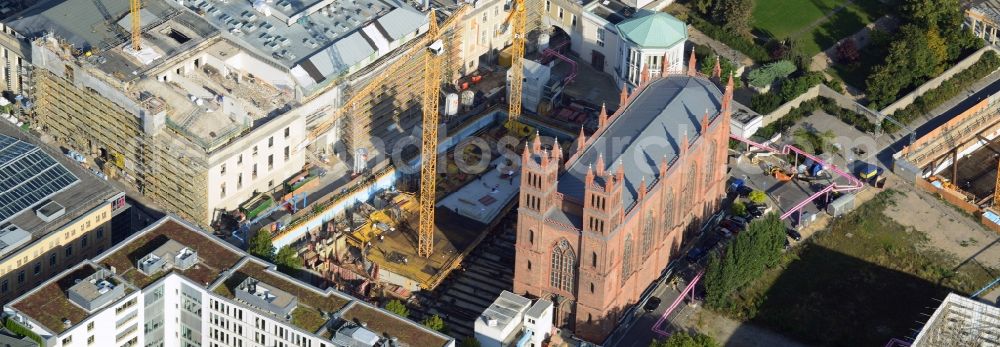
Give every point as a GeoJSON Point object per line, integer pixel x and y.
{"type": "Point", "coordinates": [597, 227]}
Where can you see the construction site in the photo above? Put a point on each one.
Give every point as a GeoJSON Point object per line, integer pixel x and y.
{"type": "Point", "coordinates": [960, 161]}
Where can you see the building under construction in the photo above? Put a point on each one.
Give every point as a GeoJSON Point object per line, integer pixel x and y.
{"type": "Point", "coordinates": [212, 102]}
{"type": "Point", "coordinates": [961, 321]}
{"type": "Point", "coordinates": [959, 160]}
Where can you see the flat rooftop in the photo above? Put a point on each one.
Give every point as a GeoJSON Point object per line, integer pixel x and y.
{"type": "Point", "coordinates": [33, 176]}
{"type": "Point", "coordinates": [222, 268]}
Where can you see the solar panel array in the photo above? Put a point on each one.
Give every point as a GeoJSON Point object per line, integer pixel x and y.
{"type": "Point", "coordinates": [28, 176]}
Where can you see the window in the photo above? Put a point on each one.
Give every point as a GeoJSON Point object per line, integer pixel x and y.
{"type": "Point", "coordinates": [627, 258]}
{"type": "Point", "coordinates": [634, 62]}
{"type": "Point", "coordinates": [90, 326]}
{"type": "Point", "coordinates": [668, 210]}
{"type": "Point", "coordinates": [710, 164]}
{"type": "Point", "coordinates": [52, 259]}
{"type": "Point", "coordinates": [529, 266]}
{"type": "Point", "coordinates": [591, 288]}
{"type": "Point", "coordinates": [531, 236]}
{"type": "Point", "coordinates": [20, 277]}
{"type": "Point", "coordinates": [647, 234]}
{"type": "Point", "coordinates": [253, 173]}
{"type": "Point", "coordinates": [254, 150]}
{"type": "Point", "coordinates": [239, 159]}
{"type": "Point", "coordinates": [287, 132]}
{"type": "Point", "coordinates": [548, 5]}
{"type": "Point", "coordinates": [572, 19]}
{"type": "Point", "coordinates": [69, 251]}
{"type": "Point", "coordinates": [485, 17]}
{"type": "Point", "coordinates": [689, 187]}
{"type": "Point", "coordinates": [286, 153]}
{"type": "Point", "coordinates": [222, 169]}
{"type": "Point", "coordinates": [560, 13]}
{"type": "Point", "coordinates": [90, 340]}
{"type": "Point", "coordinates": [270, 162]}
{"type": "Point", "coordinates": [222, 190]}
{"type": "Point", "coordinates": [38, 268]}
{"type": "Point", "coordinates": [83, 241]}
{"type": "Point", "coordinates": [239, 181]}
{"type": "Point", "coordinates": [3, 286]}
{"type": "Point", "coordinates": [593, 259]}
{"type": "Point", "coordinates": [100, 233]}
{"type": "Point", "coordinates": [270, 142]}
{"type": "Point", "coordinates": [563, 266]}
{"type": "Point", "coordinates": [482, 38]}
{"type": "Point", "coordinates": [67, 340]}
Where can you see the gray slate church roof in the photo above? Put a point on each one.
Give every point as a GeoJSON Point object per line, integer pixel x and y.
{"type": "Point", "coordinates": [648, 131]}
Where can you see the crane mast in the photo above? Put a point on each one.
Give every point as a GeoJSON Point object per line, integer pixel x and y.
{"type": "Point", "coordinates": [517, 19]}
{"type": "Point", "coordinates": [134, 6]}
{"type": "Point", "coordinates": [429, 140]}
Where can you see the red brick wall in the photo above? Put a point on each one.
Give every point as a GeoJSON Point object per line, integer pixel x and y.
{"type": "Point", "coordinates": [595, 314]}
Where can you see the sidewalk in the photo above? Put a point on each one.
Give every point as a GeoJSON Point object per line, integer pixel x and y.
{"type": "Point", "coordinates": [720, 48]}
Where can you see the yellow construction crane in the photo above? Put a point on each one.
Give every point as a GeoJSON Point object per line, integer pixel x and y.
{"type": "Point", "coordinates": [996, 188]}
{"type": "Point", "coordinates": [136, 25]}
{"type": "Point", "coordinates": [431, 43]}
{"type": "Point", "coordinates": [429, 140]}
{"type": "Point", "coordinates": [377, 81]}
{"type": "Point", "coordinates": [516, 19]}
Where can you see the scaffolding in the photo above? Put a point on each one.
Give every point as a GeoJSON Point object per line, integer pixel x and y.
{"type": "Point", "coordinates": [961, 321]}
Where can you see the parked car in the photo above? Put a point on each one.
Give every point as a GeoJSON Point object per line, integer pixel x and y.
{"type": "Point", "coordinates": [793, 234]}
{"type": "Point", "coordinates": [651, 304]}
{"type": "Point", "coordinates": [754, 214]}
{"type": "Point", "coordinates": [743, 191]}
{"type": "Point", "coordinates": [726, 232]}
{"type": "Point", "coordinates": [731, 225]}
{"type": "Point", "coordinates": [695, 254]}
{"type": "Point", "coordinates": [739, 220]}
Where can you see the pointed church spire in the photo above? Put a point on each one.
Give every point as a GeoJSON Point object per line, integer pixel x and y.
{"type": "Point", "coordinates": [600, 165]}
{"type": "Point", "coordinates": [581, 141]}
{"type": "Point", "coordinates": [642, 188]}
{"type": "Point", "coordinates": [536, 146]}
{"type": "Point", "coordinates": [624, 96]}
{"type": "Point", "coordinates": [644, 77]}
{"type": "Point", "coordinates": [665, 65]}
{"type": "Point", "coordinates": [704, 122]}
{"type": "Point", "coordinates": [717, 69]}
{"type": "Point", "coordinates": [692, 64]}
{"type": "Point", "coordinates": [602, 118]}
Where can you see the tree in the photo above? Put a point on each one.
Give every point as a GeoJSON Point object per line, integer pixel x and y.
{"type": "Point", "coordinates": [937, 48]}
{"type": "Point", "coordinates": [470, 342]}
{"type": "Point", "coordinates": [767, 74]}
{"type": "Point", "coordinates": [929, 12]}
{"type": "Point", "coordinates": [397, 307]}
{"type": "Point", "coordinates": [685, 339]}
{"type": "Point", "coordinates": [704, 6]}
{"type": "Point", "coordinates": [735, 15]}
{"type": "Point", "coordinates": [847, 52]}
{"type": "Point", "coordinates": [738, 208]}
{"type": "Point", "coordinates": [757, 197]}
{"type": "Point", "coordinates": [434, 323]}
{"type": "Point", "coordinates": [261, 245]}
{"type": "Point", "coordinates": [747, 256]}
{"type": "Point", "coordinates": [288, 260]}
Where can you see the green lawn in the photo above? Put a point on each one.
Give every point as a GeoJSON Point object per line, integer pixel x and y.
{"type": "Point", "coordinates": [860, 282]}
{"type": "Point", "coordinates": [783, 19]}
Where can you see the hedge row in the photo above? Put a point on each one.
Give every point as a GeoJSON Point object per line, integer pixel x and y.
{"type": "Point", "coordinates": [790, 89]}
{"type": "Point", "coordinates": [21, 330]}
{"type": "Point", "coordinates": [734, 41]}
{"type": "Point", "coordinates": [948, 89]}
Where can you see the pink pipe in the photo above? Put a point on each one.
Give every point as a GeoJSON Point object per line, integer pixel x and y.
{"type": "Point", "coordinates": [572, 74]}
{"type": "Point", "coordinates": [663, 318]}
{"type": "Point", "coordinates": [855, 184]}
